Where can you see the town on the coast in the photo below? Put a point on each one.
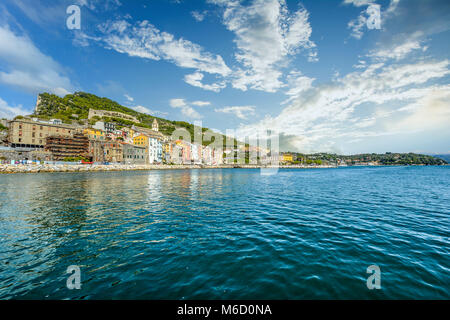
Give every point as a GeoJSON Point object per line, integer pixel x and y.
{"type": "Point", "coordinates": [83, 129]}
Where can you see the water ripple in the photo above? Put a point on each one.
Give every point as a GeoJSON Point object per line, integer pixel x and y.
{"type": "Point", "coordinates": [227, 234]}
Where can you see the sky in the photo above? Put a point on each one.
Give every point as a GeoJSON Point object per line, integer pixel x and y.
{"type": "Point", "coordinates": [324, 75]}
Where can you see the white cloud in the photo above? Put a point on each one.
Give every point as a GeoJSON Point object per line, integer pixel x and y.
{"type": "Point", "coordinates": [99, 4]}
{"type": "Point", "coordinates": [148, 111]}
{"type": "Point", "coordinates": [432, 111]}
{"type": "Point", "coordinates": [201, 103]}
{"type": "Point", "coordinates": [242, 112]}
{"type": "Point", "coordinates": [186, 109]}
{"type": "Point", "coordinates": [142, 109]}
{"type": "Point", "coordinates": [297, 84]}
{"type": "Point", "coordinates": [195, 79]}
{"type": "Point", "coordinates": [359, 3]}
{"type": "Point", "coordinates": [129, 98]}
{"type": "Point", "coordinates": [9, 112]}
{"type": "Point", "coordinates": [146, 41]}
{"type": "Point", "coordinates": [325, 115]}
{"type": "Point", "coordinates": [40, 13]}
{"type": "Point", "coordinates": [357, 25]}
{"type": "Point", "coordinates": [199, 16]}
{"type": "Point", "coordinates": [266, 34]}
{"type": "Point", "coordinates": [28, 68]}
{"type": "Point", "coordinates": [397, 52]}
{"type": "Point", "coordinates": [177, 103]}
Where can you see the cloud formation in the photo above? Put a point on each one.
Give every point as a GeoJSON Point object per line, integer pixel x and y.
{"type": "Point", "coordinates": [9, 112]}
{"type": "Point", "coordinates": [28, 68]}
{"type": "Point", "coordinates": [148, 111]}
{"type": "Point", "coordinates": [186, 109]}
{"type": "Point", "coordinates": [362, 104]}
{"type": "Point", "coordinates": [266, 35]}
{"type": "Point", "coordinates": [195, 80]}
{"type": "Point", "coordinates": [199, 16]}
{"type": "Point", "coordinates": [242, 112]}
{"type": "Point", "coordinates": [144, 40]}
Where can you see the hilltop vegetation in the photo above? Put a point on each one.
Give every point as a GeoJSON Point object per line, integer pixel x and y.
{"type": "Point", "coordinates": [74, 108]}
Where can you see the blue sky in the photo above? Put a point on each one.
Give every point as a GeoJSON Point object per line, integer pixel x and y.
{"type": "Point", "coordinates": [311, 71]}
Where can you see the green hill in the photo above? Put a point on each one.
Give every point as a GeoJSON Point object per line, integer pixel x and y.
{"type": "Point", "coordinates": [74, 108]}
{"type": "Point", "coordinates": [445, 157]}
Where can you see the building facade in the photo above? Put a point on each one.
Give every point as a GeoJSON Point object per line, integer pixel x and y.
{"type": "Point", "coordinates": [26, 133]}
{"type": "Point", "coordinates": [95, 134]}
{"type": "Point", "coordinates": [64, 147]}
{"type": "Point", "coordinates": [134, 154]}
{"type": "Point", "coordinates": [106, 151]}
{"type": "Point", "coordinates": [153, 144]}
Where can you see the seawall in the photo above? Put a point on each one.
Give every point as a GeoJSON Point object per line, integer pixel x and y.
{"type": "Point", "coordinates": [7, 168]}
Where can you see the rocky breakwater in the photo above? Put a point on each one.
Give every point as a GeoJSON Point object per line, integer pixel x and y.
{"type": "Point", "coordinates": [6, 168]}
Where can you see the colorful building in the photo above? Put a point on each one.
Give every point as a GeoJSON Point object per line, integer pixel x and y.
{"type": "Point", "coordinates": [95, 134]}
{"type": "Point", "coordinates": [153, 145]}
{"type": "Point", "coordinates": [140, 140]}
{"type": "Point", "coordinates": [106, 151]}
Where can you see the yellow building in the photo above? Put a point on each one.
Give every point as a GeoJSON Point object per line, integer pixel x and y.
{"type": "Point", "coordinates": [287, 158]}
{"type": "Point", "coordinates": [140, 140]}
{"type": "Point", "coordinates": [94, 134]}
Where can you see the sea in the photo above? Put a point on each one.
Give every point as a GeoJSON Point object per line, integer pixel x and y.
{"type": "Point", "coordinates": [325, 233]}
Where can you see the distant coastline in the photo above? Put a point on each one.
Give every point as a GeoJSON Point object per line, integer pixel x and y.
{"type": "Point", "coordinates": [45, 168]}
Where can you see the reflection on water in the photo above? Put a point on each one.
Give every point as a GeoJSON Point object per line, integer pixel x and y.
{"type": "Point", "coordinates": [228, 233]}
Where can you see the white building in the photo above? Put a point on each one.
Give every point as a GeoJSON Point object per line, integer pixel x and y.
{"type": "Point", "coordinates": [154, 150]}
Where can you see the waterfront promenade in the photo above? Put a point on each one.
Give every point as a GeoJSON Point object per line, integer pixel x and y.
{"type": "Point", "coordinates": [33, 168]}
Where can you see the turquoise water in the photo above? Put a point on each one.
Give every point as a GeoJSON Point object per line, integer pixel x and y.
{"type": "Point", "coordinates": [227, 234]}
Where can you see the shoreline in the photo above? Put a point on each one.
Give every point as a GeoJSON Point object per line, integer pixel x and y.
{"type": "Point", "coordinates": [48, 168]}
{"type": "Point", "coordinates": [45, 168]}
